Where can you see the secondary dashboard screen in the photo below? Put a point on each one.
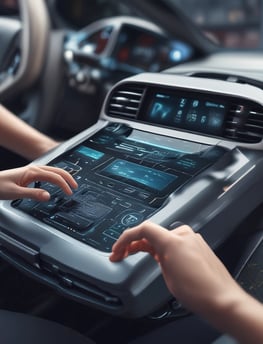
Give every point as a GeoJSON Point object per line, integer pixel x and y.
{"type": "Point", "coordinates": [149, 177]}
{"type": "Point", "coordinates": [194, 114]}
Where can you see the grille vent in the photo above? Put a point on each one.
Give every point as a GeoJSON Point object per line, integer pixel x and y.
{"type": "Point", "coordinates": [125, 101]}
{"type": "Point", "coordinates": [245, 123]}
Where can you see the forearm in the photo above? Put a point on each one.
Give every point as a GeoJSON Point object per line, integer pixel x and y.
{"type": "Point", "coordinates": [21, 138]}
{"type": "Point", "coordinates": [238, 315]}
{"type": "Point", "coordinates": [197, 278]}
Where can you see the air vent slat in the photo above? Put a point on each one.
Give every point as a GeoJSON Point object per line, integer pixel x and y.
{"type": "Point", "coordinates": [245, 123]}
{"type": "Point", "coordinates": [119, 106]}
{"type": "Point", "coordinates": [120, 113]}
{"type": "Point", "coordinates": [125, 101]}
{"type": "Point", "coordinates": [122, 99]}
{"type": "Point", "coordinates": [256, 113]}
{"type": "Point", "coordinates": [254, 128]}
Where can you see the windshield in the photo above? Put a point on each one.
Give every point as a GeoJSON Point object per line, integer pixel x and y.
{"type": "Point", "coordinates": [231, 23]}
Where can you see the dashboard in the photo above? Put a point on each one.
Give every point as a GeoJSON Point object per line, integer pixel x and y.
{"type": "Point", "coordinates": [228, 114]}
{"type": "Point", "coordinates": [166, 148]}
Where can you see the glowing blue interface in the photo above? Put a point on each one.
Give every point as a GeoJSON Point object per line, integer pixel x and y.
{"type": "Point", "coordinates": [202, 115]}
{"type": "Point", "coordinates": [89, 152]}
{"type": "Point", "coordinates": [146, 176]}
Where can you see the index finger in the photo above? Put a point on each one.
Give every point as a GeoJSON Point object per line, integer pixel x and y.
{"type": "Point", "coordinates": [49, 174]}
{"type": "Point", "coordinates": [64, 174]}
{"type": "Point", "coordinates": [146, 237]}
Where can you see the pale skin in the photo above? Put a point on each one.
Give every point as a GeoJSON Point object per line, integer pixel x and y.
{"type": "Point", "coordinates": [21, 138]}
{"type": "Point", "coordinates": [14, 182]}
{"type": "Point", "coordinates": [197, 278]}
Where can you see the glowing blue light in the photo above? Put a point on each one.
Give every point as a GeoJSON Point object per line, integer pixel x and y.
{"type": "Point", "coordinates": [180, 51]}
{"type": "Point", "coordinates": [176, 55]}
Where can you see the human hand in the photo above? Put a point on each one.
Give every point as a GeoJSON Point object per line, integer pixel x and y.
{"type": "Point", "coordinates": [14, 182]}
{"type": "Point", "coordinates": [192, 272]}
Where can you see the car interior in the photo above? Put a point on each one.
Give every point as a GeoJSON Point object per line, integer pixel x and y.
{"type": "Point", "coordinates": [158, 105]}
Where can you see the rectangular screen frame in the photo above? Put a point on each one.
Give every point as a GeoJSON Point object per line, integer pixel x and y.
{"type": "Point", "coordinates": [173, 95]}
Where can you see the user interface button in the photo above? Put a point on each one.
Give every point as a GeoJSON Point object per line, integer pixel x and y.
{"type": "Point", "coordinates": [131, 219]}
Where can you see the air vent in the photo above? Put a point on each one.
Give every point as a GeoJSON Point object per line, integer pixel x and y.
{"type": "Point", "coordinates": [245, 123]}
{"type": "Point", "coordinates": [125, 101]}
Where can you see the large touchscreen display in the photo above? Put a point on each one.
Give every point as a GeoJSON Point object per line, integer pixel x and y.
{"type": "Point", "coordinates": [194, 113]}
{"type": "Point", "coordinates": [124, 176]}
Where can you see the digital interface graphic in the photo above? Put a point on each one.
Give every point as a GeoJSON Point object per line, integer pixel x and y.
{"type": "Point", "coordinates": [197, 114]}
{"type": "Point", "coordinates": [89, 152]}
{"type": "Point", "coordinates": [146, 176]}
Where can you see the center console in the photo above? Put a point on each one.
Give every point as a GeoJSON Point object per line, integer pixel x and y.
{"type": "Point", "coordinates": [166, 149]}
{"type": "Point", "coordinates": [124, 175]}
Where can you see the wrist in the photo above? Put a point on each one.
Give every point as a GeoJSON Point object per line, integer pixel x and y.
{"type": "Point", "coordinates": [48, 145]}
{"type": "Point", "coordinates": [224, 306]}
{"type": "Point", "coordinates": [239, 315]}
{"type": "Point", "coordinates": [43, 147]}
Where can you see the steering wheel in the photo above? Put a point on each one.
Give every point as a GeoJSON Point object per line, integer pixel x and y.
{"type": "Point", "coordinates": [23, 45]}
